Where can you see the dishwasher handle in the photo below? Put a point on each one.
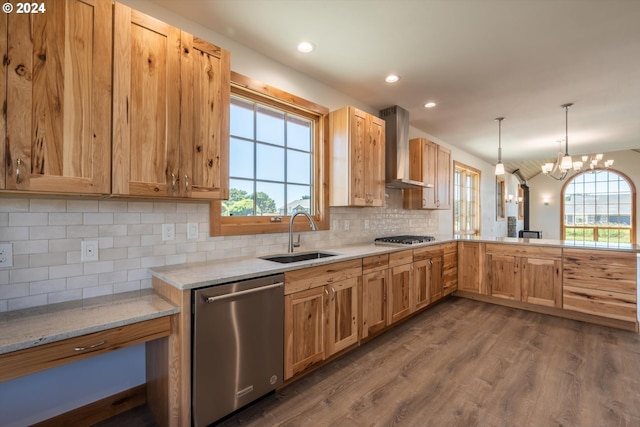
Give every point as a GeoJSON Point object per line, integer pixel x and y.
{"type": "Point", "coordinates": [210, 300]}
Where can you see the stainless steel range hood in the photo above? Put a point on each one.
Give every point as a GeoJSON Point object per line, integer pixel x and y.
{"type": "Point", "coordinates": [397, 149]}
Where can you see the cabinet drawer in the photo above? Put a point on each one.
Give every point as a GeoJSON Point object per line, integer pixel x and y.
{"type": "Point", "coordinates": [28, 361]}
{"type": "Point", "coordinates": [308, 278]}
{"type": "Point", "coordinates": [375, 263]}
{"type": "Point", "coordinates": [602, 277]}
{"type": "Point", "coordinates": [450, 247]}
{"type": "Point", "coordinates": [420, 254]}
{"type": "Point", "coordinates": [399, 258]}
{"type": "Point", "coordinates": [614, 305]}
{"type": "Point", "coordinates": [582, 257]}
{"type": "Point", "coordinates": [523, 251]}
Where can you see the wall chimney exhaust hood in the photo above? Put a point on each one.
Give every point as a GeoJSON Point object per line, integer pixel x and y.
{"type": "Point", "coordinates": [397, 149]}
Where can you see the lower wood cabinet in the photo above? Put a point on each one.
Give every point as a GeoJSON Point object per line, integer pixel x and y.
{"type": "Point", "coordinates": [523, 273]}
{"type": "Point", "coordinates": [400, 298]}
{"type": "Point", "coordinates": [321, 313]}
{"type": "Point", "coordinates": [427, 275]}
{"type": "Point", "coordinates": [450, 268]}
{"type": "Point", "coordinates": [304, 330]}
{"type": "Point", "coordinates": [602, 283]}
{"type": "Point", "coordinates": [375, 283]}
{"type": "Point", "coordinates": [471, 267]}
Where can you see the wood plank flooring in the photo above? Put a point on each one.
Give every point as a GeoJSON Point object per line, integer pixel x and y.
{"type": "Point", "coordinates": [468, 363]}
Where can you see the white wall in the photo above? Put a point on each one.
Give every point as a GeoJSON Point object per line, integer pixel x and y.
{"type": "Point", "coordinates": [547, 218]}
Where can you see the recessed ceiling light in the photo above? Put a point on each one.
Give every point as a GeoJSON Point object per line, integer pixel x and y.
{"type": "Point", "coordinates": [306, 47]}
{"type": "Point", "coordinates": [430, 105]}
{"type": "Point", "coordinates": [391, 78]}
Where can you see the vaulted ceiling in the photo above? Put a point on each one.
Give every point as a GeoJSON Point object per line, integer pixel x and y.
{"type": "Point", "coordinates": [477, 59]}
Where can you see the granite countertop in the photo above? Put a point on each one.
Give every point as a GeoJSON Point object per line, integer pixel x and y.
{"type": "Point", "coordinates": [209, 273]}
{"type": "Point", "coordinates": [31, 327]}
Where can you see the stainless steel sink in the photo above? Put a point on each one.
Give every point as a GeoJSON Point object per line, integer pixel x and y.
{"type": "Point", "coordinates": [302, 256]}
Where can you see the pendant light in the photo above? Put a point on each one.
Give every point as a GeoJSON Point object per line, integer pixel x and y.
{"type": "Point", "coordinates": [499, 165]}
{"type": "Point", "coordinates": [566, 163]}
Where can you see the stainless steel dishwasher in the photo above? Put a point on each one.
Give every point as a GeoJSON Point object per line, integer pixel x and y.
{"type": "Point", "coordinates": [237, 350]}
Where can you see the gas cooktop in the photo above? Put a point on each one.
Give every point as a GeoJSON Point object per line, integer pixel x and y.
{"type": "Point", "coordinates": [404, 240]}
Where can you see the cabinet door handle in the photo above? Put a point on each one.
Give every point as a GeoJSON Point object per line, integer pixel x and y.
{"type": "Point", "coordinates": [333, 294]}
{"type": "Point", "coordinates": [18, 162]}
{"type": "Point", "coordinates": [326, 292]}
{"type": "Point", "coordinates": [173, 182]}
{"type": "Point", "coordinates": [91, 347]}
{"type": "Point", "coordinates": [186, 185]}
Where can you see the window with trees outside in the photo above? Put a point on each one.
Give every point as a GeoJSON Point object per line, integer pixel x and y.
{"type": "Point", "coordinates": [599, 206]}
{"type": "Point", "coordinates": [277, 161]}
{"type": "Point", "coordinates": [466, 198]}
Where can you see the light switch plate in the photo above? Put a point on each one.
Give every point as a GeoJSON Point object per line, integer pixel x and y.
{"type": "Point", "coordinates": [89, 250]}
{"type": "Point", "coordinates": [6, 255]}
{"type": "Point", "coordinates": [192, 230]}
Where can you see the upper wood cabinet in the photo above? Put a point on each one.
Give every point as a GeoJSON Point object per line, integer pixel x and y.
{"type": "Point", "coordinates": [357, 158]}
{"type": "Point", "coordinates": [429, 163]}
{"type": "Point", "coordinates": [171, 95]}
{"type": "Point", "coordinates": [57, 118]}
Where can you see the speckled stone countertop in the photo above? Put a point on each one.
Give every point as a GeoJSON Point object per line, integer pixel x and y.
{"type": "Point", "coordinates": [201, 274]}
{"type": "Point", "coordinates": [209, 273]}
{"type": "Point", "coordinates": [31, 327]}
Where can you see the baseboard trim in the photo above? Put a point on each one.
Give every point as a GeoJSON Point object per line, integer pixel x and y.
{"type": "Point", "coordinates": [100, 410]}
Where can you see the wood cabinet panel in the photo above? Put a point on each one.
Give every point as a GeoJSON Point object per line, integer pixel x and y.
{"type": "Point", "coordinates": [450, 270]}
{"type": "Point", "coordinates": [421, 283]}
{"type": "Point", "coordinates": [602, 283]}
{"type": "Point", "coordinates": [503, 276]}
{"type": "Point", "coordinates": [375, 263]}
{"type": "Point", "coordinates": [342, 299]}
{"type": "Point", "coordinates": [400, 258]}
{"type": "Point", "coordinates": [374, 302]}
{"type": "Point", "coordinates": [58, 92]}
{"type": "Point", "coordinates": [304, 330]}
{"type": "Point", "coordinates": [443, 187]}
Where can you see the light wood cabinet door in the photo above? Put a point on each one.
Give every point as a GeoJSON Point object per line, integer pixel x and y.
{"type": "Point", "coordinates": [400, 295]}
{"type": "Point", "coordinates": [58, 98]}
{"type": "Point", "coordinates": [435, 278]}
{"type": "Point", "coordinates": [146, 105]}
{"type": "Point", "coordinates": [303, 330]}
{"type": "Point", "coordinates": [503, 276]}
{"type": "Point", "coordinates": [171, 97]}
{"type": "Point", "coordinates": [541, 281]}
{"type": "Point", "coordinates": [471, 267]}
{"type": "Point", "coordinates": [421, 283]}
{"type": "Point", "coordinates": [204, 131]}
{"type": "Point", "coordinates": [374, 302]}
{"type": "Point", "coordinates": [357, 158]}
{"type": "Point", "coordinates": [342, 299]}
{"type": "Point", "coordinates": [430, 163]}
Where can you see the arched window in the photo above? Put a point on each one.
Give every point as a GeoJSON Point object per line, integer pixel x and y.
{"type": "Point", "coordinates": [599, 206]}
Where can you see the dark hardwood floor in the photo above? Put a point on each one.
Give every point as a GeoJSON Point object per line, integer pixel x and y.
{"type": "Point", "coordinates": [467, 363]}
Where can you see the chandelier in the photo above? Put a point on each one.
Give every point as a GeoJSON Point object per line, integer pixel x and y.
{"type": "Point", "coordinates": [564, 163]}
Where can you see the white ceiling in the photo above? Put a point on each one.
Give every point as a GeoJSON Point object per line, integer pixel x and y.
{"type": "Point", "coordinates": [477, 59]}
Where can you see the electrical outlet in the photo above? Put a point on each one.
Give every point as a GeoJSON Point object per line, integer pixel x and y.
{"type": "Point", "coordinates": [168, 232]}
{"type": "Point", "coordinates": [192, 230]}
{"type": "Point", "coordinates": [6, 255]}
{"type": "Point", "coordinates": [89, 250]}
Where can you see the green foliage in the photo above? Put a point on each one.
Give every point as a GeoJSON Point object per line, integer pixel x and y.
{"type": "Point", "coordinates": [240, 203]}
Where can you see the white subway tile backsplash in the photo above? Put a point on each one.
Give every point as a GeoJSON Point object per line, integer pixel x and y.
{"type": "Point", "coordinates": [65, 218]}
{"type": "Point", "coordinates": [46, 235]}
{"type": "Point", "coordinates": [14, 233]}
{"type": "Point", "coordinates": [17, 219]}
{"type": "Point", "coordinates": [14, 205]}
{"type": "Point", "coordinates": [47, 286]}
